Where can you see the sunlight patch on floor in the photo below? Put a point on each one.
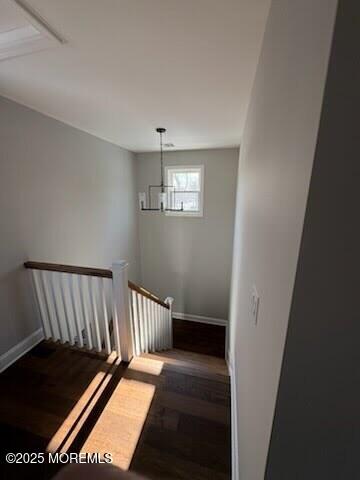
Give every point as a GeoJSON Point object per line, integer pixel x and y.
{"type": "Point", "coordinates": [146, 365]}
{"type": "Point", "coordinates": [80, 412]}
{"type": "Point", "coordinates": [118, 428]}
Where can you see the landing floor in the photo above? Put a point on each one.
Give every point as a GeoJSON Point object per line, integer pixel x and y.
{"type": "Point", "coordinates": [165, 415]}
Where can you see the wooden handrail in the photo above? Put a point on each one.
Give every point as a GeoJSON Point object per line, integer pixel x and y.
{"type": "Point", "coordinates": [92, 272]}
{"type": "Point", "coordinates": [55, 267]}
{"type": "Point", "coordinates": [147, 294]}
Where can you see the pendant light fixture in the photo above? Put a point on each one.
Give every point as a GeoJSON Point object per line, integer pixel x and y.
{"type": "Point", "coordinates": [165, 191]}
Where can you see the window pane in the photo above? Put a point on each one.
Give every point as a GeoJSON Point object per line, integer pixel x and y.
{"type": "Point", "coordinates": [180, 180]}
{"type": "Point", "coordinates": [187, 186]}
{"type": "Point", "coordinates": [194, 181]}
{"type": "Point", "coordinates": [190, 201]}
{"type": "Point", "coordinates": [186, 180]}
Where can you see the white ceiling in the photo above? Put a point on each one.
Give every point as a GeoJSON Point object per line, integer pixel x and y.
{"type": "Point", "coordinates": [131, 65]}
{"type": "Point", "coordinates": [10, 17]}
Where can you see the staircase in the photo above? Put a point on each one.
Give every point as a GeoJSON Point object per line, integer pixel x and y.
{"type": "Point", "coordinates": [100, 310]}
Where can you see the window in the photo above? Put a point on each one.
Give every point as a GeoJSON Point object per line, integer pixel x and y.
{"type": "Point", "coordinates": [188, 190]}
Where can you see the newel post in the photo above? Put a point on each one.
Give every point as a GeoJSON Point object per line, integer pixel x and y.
{"type": "Point", "coordinates": [169, 301]}
{"type": "Point", "coordinates": [121, 311]}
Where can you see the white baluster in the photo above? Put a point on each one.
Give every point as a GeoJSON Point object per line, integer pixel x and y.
{"type": "Point", "coordinates": [47, 304]}
{"type": "Point", "coordinates": [131, 313]}
{"type": "Point", "coordinates": [123, 336]}
{"type": "Point", "coordinates": [105, 317]}
{"type": "Point", "coordinates": [163, 322]}
{"type": "Point", "coordinates": [163, 328]}
{"type": "Point", "coordinates": [156, 326]}
{"type": "Point", "coordinates": [66, 310]}
{"type": "Point", "coordinates": [169, 301]}
{"type": "Point", "coordinates": [152, 326]}
{"type": "Point", "coordinates": [146, 323]}
{"type": "Point", "coordinates": [71, 303]}
{"type": "Point", "coordinates": [152, 322]}
{"type": "Point", "coordinates": [83, 281]}
{"type": "Point", "coordinates": [93, 296]}
{"type": "Point", "coordinates": [159, 326]}
{"type": "Point", "coordinates": [168, 319]}
{"type": "Point", "coordinates": [141, 331]}
{"type": "Point", "coordinates": [135, 322]}
{"type": "Point", "coordinates": [157, 343]}
{"type": "Point", "coordinates": [52, 280]}
{"type": "Point", "coordinates": [143, 324]}
{"type": "Point", "coordinates": [41, 303]}
{"type": "Point", "coordinates": [160, 332]}
{"type": "Point", "coordinates": [166, 327]}
{"type": "Point", "coordinates": [75, 308]}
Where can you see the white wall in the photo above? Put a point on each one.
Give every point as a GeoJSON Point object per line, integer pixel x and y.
{"type": "Point", "coordinates": [66, 197]}
{"type": "Point", "coordinates": [190, 258]}
{"type": "Point", "coordinates": [316, 429]}
{"type": "Point", "coordinates": [276, 159]}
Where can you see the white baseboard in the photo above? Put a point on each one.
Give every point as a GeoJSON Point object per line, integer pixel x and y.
{"type": "Point", "coordinates": [20, 349]}
{"type": "Point", "coordinates": [234, 425]}
{"type": "Point", "coordinates": [200, 319]}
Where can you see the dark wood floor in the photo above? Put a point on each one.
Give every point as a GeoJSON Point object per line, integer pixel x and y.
{"type": "Point", "coordinates": [199, 337]}
{"type": "Point", "coordinates": [165, 416]}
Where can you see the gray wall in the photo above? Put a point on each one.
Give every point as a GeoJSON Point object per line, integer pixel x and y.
{"type": "Point", "coordinates": [316, 431]}
{"type": "Point", "coordinates": [65, 196]}
{"type": "Point", "coordinates": [190, 258]}
{"type": "Point", "coordinates": [276, 159]}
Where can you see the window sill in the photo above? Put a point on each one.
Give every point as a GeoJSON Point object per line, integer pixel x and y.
{"type": "Point", "coordinates": [185, 214]}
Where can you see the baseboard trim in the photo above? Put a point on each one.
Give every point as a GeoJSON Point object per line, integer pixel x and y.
{"type": "Point", "coordinates": [234, 432]}
{"type": "Point", "coordinates": [200, 318]}
{"type": "Point", "coordinates": [9, 357]}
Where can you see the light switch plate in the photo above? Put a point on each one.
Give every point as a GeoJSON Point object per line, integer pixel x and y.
{"type": "Point", "coordinates": [254, 304]}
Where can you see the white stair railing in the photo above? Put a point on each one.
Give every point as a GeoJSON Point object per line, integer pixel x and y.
{"type": "Point", "coordinates": [151, 321]}
{"type": "Point", "coordinates": [100, 310]}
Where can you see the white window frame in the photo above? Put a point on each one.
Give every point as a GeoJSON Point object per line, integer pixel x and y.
{"type": "Point", "coordinates": [181, 168]}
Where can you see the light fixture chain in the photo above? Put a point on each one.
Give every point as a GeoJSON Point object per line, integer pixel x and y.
{"type": "Point", "coordinates": [162, 197]}
{"type": "Point", "coordinates": [162, 163]}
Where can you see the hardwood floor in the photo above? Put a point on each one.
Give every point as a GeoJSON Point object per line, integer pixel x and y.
{"type": "Point", "coordinates": [199, 337]}
{"type": "Point", "coordinates": [165, 415]}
